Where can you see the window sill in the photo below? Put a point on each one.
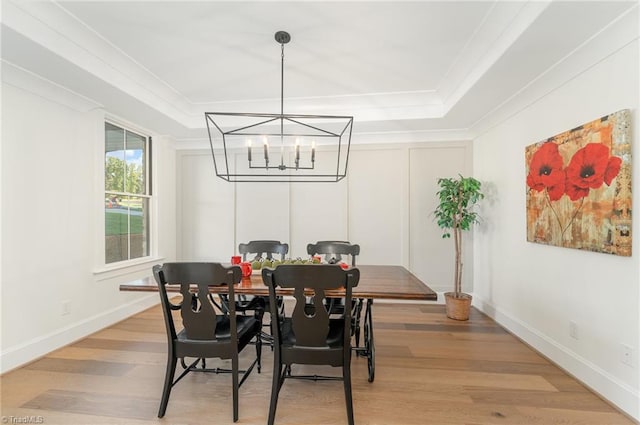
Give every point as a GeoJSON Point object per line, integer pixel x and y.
{"type": "Point", "coordinates": [126, 267]}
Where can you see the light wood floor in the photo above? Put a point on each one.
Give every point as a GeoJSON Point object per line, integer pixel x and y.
{"type": "Point", "coordinates": [430, 370]}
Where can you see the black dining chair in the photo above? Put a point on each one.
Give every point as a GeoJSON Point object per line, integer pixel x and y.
{"type": "Point", "coordinates": [264, 249]}
{"type": "Point", "coordinates": [256, 250]}
{"type": "Point", "coordinates": [308, 335]}
{"type": "Point", "coordinates": [333, 252]}
{"type": "Point", "coordinates": [208, 331]}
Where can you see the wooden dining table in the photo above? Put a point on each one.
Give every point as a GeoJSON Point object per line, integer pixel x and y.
{"type": "Point", "coordinates": [376, 282]}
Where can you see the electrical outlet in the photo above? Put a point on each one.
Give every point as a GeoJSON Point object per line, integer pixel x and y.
{"type": "Point", "coordinates": [66, 307]}
{"type": "Point", "coordinates": [626, 355]}
{"type": "Point", "coordinates": [573, 330]}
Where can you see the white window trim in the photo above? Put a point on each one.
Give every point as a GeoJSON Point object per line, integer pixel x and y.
{"type": "Point", "coordinates": [102, 270]}
{"type": "Point", "coordinates": [126, 267]}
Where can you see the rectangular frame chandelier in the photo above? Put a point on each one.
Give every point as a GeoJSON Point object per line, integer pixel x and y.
{"type": "Point", "coordinates": [261, 147]}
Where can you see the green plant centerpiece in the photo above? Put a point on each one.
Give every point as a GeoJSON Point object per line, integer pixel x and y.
{"type": "Point", "coordinates": [455, 213]}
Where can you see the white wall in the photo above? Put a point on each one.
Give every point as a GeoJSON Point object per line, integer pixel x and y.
{"type": "Point", "coordinates": [384, 205]}
{"type": "Point", "coordinates": [52, 215]}
{"type": "Point", "coordinates": [536, 290]}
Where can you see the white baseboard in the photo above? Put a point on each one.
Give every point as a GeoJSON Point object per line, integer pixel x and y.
{"type": "Point", "coordinates": [22, 354]}
{"type": "Point", "coordinates": [620, 394]}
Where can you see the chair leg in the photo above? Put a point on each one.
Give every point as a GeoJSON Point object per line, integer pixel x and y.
{"type": "Point", "coordinates": [168, 384]}
{"type": "Point", "coordinates": [234, 379]}
{"type": "Point", "coordinates": [356, 321]}
{"type": "Point", "coordinates": [259, 351]}
{"type": "Point", "coordinates": [346, 378]}
{"type": "Point", "coordinates": [275, 390]}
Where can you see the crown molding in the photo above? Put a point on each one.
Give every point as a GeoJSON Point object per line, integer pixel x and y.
{"type": "Point", "coordinates": [23, 79]}
{"type": "Point", "coordinates": [49, 25]}
{"type": "Point", "coordinates": [367, 138]}
{"type": "Point", "coordinates": [616, 36]}
{"type": "Point", "coordinates": [367, 107]}
{"type": "Point", "coordinates": [518, 19]}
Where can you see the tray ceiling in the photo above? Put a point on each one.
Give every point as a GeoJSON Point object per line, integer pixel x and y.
{"type": "Point", "coordinates": [395, 66]}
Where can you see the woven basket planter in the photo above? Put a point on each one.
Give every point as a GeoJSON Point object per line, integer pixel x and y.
{"type": "Point", "coordinates": [457, 308]}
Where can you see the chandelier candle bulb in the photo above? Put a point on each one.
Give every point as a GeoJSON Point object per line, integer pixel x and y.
{"type": "Point", "coordinates": [266, 151]}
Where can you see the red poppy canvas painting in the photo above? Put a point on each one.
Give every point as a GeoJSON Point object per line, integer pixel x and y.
{"type": "Point", "coordinates": [579, 187]}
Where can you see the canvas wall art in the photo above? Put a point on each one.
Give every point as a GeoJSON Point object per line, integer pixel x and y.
{"type": "Point", "coordinates": [579, 187]}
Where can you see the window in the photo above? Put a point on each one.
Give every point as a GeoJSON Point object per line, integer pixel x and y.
{"type": "Point", "coordinates": [127, 194]}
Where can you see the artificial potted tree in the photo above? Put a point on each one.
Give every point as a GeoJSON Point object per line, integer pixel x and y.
{"type": "Point", "coordinates": [455, 213]}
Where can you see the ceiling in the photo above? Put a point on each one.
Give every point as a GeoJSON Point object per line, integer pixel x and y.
{"type": "Point", "coordinates": [398, 67]}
